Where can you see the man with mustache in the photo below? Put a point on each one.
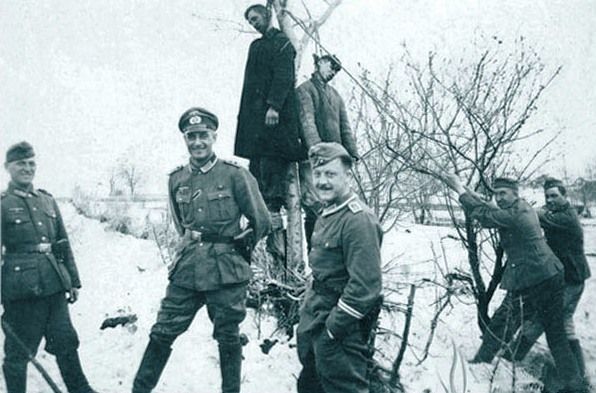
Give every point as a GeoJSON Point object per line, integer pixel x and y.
{"type": "Point", "coordinates": [565, 237]}
{"type": "Point", "coordinates": [267, 132]}
{"type": "Point", "coordinates": [208, 197]}
{"type": "Point", "coordinates": [342, 303]}
{"type": "Point", "coordinates": [324, 118]}
{"type": "Point", "coordinates": [39, 278]}
{"type": "Point", "coordinates": [533, 276]}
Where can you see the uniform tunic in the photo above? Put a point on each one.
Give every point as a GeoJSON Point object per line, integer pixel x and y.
{"type": "Point", "coordinates": [34, 282]}
{"type": "Point", "coordinates": [565, 237]}
{"type": "Point", "coordinates": [529, 259]}
{"type": "Point", "coordinates": [534, 277]}
{"type": "Point", "coordinates": [346, 267]}
{"type": "Point", "coordinates": [210, 200]}
{"type": "Point", "coordinates": [31, 217]}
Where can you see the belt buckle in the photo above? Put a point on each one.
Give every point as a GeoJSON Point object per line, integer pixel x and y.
{"type": "Point", "coordinates": [44, 248]}
{"type": "Point", "coordinates": [196, 235]}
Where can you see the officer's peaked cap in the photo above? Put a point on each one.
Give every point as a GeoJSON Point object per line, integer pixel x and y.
{"type": "Point", "coordinates": [198, 119]}
{"type": "Point", "coordinates": [19, 151]}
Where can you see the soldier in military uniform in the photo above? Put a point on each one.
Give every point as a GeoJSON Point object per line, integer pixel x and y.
{"type": "Point", "coordinates": [564, 235]}
{"type": "Point", "coordinates": [342, 302]}
{"type": "Point", "coordinates": [39, 278]}
{"type": "Point", "coordinates": [208, 196]}
{"type": "Point", "coordinates": [533, 276]}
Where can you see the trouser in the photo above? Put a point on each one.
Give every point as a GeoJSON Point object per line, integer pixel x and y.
{"type": "Point", "coordinates": [272, 177]}
{"type": "Point", "coordinates": [31, 320]}
{"type": "Point", "coordinates": [542, 302]}
{"type": "Point", "coordinates": [571, 296]}
{"type": "Point", "coordinates": [309, 200]}
{"type": "Point", "coordinates": [226, 308]}
{"type": "Point", "coordinates": [333, 366]}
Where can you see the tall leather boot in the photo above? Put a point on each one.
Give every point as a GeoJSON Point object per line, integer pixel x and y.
{"type": "Point", "coordinates": [230, 365]}
{"type": "Point", "coordinates": [69, 364]}
{"type": "Point", "coordinates": [579, 357]}
{"type": "Point", "coordinates": [154, 360]}
{"type": "Point", "coordinates": [15, 376]}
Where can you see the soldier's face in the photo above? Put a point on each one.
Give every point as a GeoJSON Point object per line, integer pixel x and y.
{"type": "Point", "coordinates": [22, 171]}
{"type": "Point", "coordinates": [554, 198]}
{"type": "Point", "coordinates": [200, 143]}
{"type": "Point", "coordinates": [257, 20]}
{"type": "Point", "coordinates": [505, 197]}
{"type": "Point", "coordinates": [331, 181]}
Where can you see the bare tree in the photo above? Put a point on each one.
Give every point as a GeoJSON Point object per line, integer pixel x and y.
{"type": "Point", "coordinates": [468, 118]}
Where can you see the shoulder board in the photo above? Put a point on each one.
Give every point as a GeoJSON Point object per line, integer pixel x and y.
{"type": "Point", "coordinates": [231, 163]}
{"type": "Point", "coordinates": [3, 194]}
{"type": "Point", "coordinates": [355, 207]}
{"type": "Point", "coordinates": [44, 191]}
{"type": "Point", "coordinates": [175, 170]}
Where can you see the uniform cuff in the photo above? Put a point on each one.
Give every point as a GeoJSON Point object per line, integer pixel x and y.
{"type": "Point", "coordinates": [339, 323]}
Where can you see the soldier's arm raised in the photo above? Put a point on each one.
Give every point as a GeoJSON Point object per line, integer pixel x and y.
{"type": "Point", "coordinates": [488, 215]}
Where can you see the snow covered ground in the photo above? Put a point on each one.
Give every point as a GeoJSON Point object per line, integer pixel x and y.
{"type": "Point", "coordinates": [122, 274]}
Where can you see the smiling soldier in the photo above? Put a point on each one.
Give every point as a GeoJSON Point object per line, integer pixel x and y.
{"type": "Point", "coordinates": [342, 303]}
{"type": "Point", "coordinates": [208, 196]}
{"type": "Point", "coordinates": [39, 278]}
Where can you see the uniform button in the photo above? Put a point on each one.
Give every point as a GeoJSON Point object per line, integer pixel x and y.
{"type": "Point", "coordinates": [18, 221]}
{"type": "Point", "coordinates": [220, 195]}
{"type": "Point", "coordinates": [34, 209]}
{"type": "Point", "coordinates": [201, 227]}
{"type": "Point", "coordinates": [326, 244]}
{"type": "Point", "coordinates": [44, 238]}
{"type": "Point", "coordinates": [18, 268]}
{"type": "Point", "coordinates": [200, 209]}
{"type": "Point", "coordinates": [40, 223]}
{"type": "Point", "coordinates": [200, 244]}
{"type": "Point", "coordinates": [513, 265]}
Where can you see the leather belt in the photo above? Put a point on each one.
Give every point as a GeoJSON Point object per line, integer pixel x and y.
{"type": "Point", "coordinates": [41, 248]}
{"type": "Point", "coordinates": [210, 237]}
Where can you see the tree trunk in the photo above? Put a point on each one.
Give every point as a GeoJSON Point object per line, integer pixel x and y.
{"type": "Point", "coordinates": [474, 261]}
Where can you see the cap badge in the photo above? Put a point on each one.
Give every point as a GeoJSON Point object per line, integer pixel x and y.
{"type": "Point", "coordinates": [195, 120]}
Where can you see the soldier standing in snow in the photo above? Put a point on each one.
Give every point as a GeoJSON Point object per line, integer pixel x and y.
{"type": "Point", "coordinates": [533, 275]}
{"type": "Point", "coordinates": [39, 278]}
{"type": "Point", "coordinates": [324, 119]}
{"type": "Point", "coordinates": [208, 196]}
{"type": "Point", "coordinates": [342, 304]}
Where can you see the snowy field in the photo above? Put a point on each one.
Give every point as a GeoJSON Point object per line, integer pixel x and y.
{"type": "Point", "coordinates": [122, 274]}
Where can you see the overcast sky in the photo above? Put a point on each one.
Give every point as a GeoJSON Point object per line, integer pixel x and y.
{"type": "Point", "coordinates": [90, 82]}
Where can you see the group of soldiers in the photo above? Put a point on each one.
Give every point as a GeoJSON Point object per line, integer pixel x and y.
{"type": "Point", "coordinates": [278, 124]}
